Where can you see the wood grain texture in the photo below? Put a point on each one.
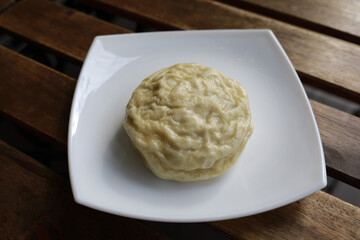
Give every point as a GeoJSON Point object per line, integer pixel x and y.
{"type": "Point", "coordinates": [320, 60]}
{"type": "Point", "coordinates": [36, 96]}
{"type": "Point", "coordinates": [38, 204]}
{"type": "Point", "coordinates": [40, 98]}
{"type": "Point", "coordinates": [54, 27]}
{"type": "Point", "coordinates": [340, 19]}
{"type": "Point", "coordinates": [342, 132]}
{"type": "Point", "coordinates": [5, 3]}
{"type": "Point", "coordinates": [319, 216]}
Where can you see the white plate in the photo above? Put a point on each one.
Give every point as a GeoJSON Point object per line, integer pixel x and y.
{"type": "Point", "coordinates": [282, 162]}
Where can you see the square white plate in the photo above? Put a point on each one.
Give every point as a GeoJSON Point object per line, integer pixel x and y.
{"type": "Point", "coordinates": [282, 162]}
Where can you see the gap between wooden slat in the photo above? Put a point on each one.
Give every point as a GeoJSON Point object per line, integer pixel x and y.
{"type": "Point", "coordinates": [320, 216]}
{"type": "Point", "coordinates": [326, 62]}
{"type": "Point", "coordinates": [324, 16]}
{"type": "Point", "coordinates": [4, 4]}
{"type": "Point", "coordinates": [38, 204]}
{"type": "Point", "coordinates": [330, 63]}
{"type": "Point", "coordinates": [55, 28]}
{"type": "Point", "coordinates": [43, 202]}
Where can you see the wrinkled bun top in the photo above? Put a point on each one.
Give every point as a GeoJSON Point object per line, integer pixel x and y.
{"type": "Point", "coordinates": [189, 122]}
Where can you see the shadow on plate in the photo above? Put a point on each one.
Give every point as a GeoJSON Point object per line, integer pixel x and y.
{"type": "Point", "coordinates": [126, 165]}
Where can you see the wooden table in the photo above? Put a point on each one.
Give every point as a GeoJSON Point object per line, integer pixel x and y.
{"type": "Point", "coordinates": [321, 37]}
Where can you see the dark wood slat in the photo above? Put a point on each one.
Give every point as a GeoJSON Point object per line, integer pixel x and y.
{"type": "Point", "coordinates": [340, 134]}
{"type": "Point", "coordinates": [321, 60]}
{"type": "Point", "coordinates": [54, 27]}
{"type": "Point", "coordinates": [35, 96]}
{"type": "Point", "coordinates": [337, 18]}
{"type": "Point", "coordinates": [38, 204]}
{"type": "Point", "coordinates": [324, 215]}
{"type": "Point", "coordinates": [319, 216]}
{"type": "Point", "coordinates": [5, 3]}
{"type": "Point", "coordinates": [41, 101]}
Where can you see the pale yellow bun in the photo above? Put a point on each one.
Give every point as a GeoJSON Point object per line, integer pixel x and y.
{"type": "Point", "coordinates": [189, 122]}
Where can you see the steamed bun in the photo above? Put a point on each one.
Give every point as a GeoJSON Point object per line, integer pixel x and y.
{"type": "Point", "coordinates": [188, 122]}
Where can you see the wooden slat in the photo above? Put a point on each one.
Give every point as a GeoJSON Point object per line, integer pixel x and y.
{"type": "Point", "coordinates": [56, 28]}
{"type": "Point", "coordinates": [35, 96]}
{"type": "Point", "coordinates": [320, 216]}
{"type": "Point", "coordinates": [321, 60]}
{"type": "Point", "coordinates": [5, 3]}
{"type": "Point", "coordinates": [38, 204]}
{"type": "Point", "coordinates": [40, 99]}
{"type": "Point", "coordinates": [338, 18]}
{"type": "Point", "coordinates": [324, 215]}
{"type": "Point", "coordinates": [340, 134]}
